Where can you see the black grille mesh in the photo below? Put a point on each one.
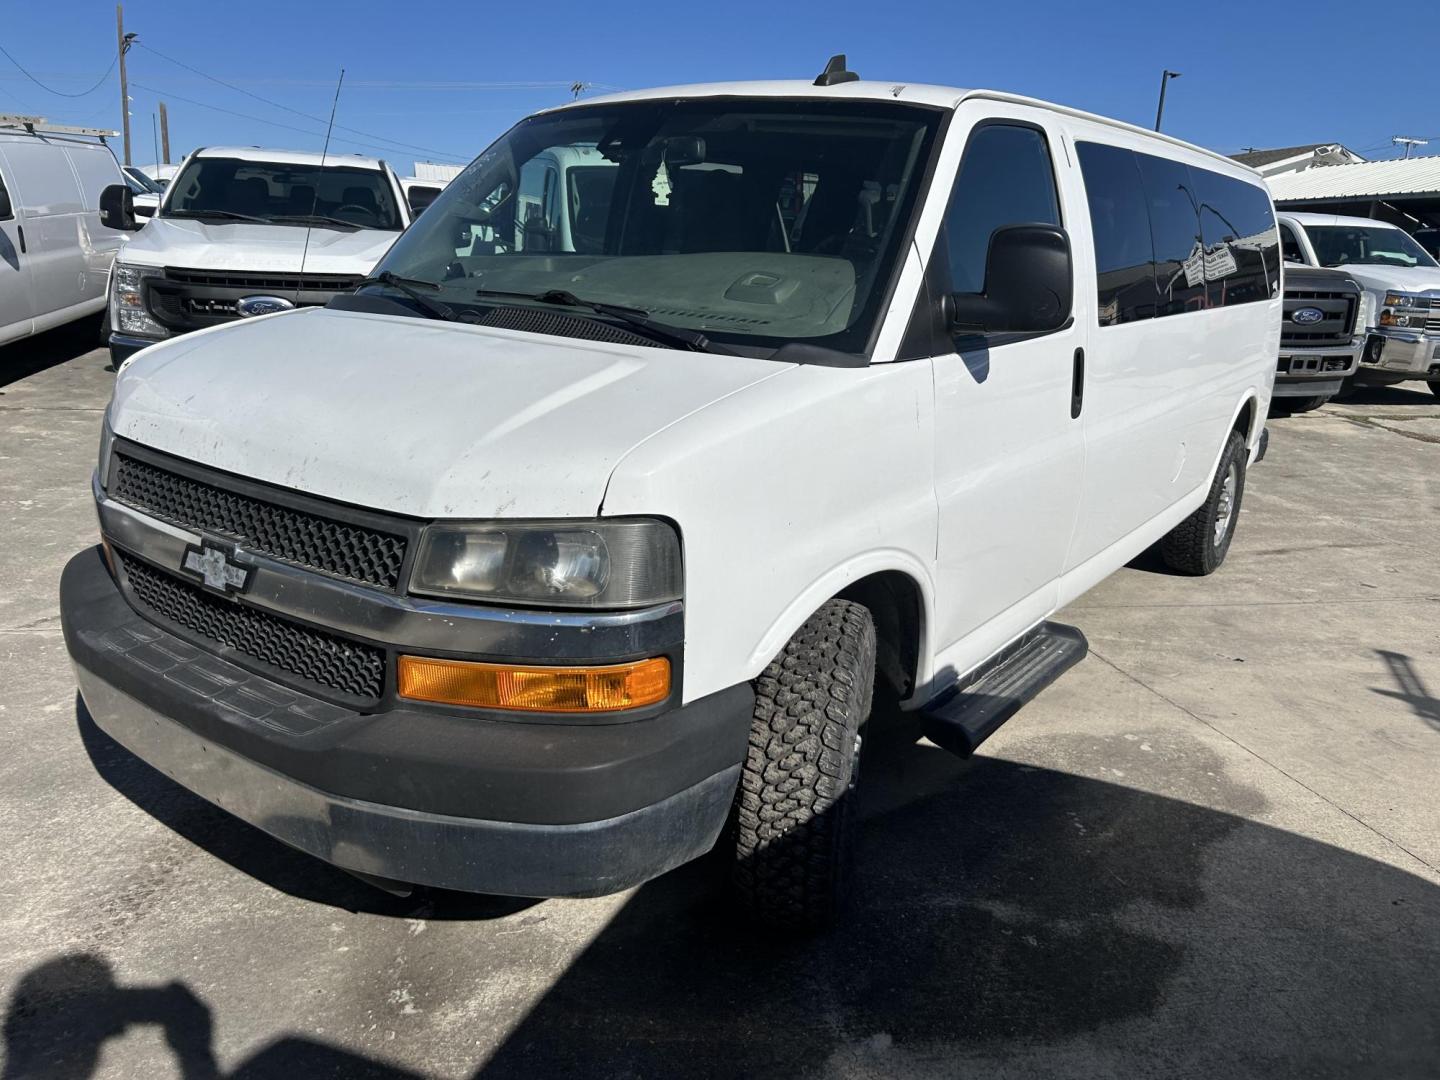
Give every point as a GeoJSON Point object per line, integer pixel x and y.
{"type": "Point", "coordinates": [342, 665]}
{"type": "Point", "coordinates": [540, 321]}
{"type": "Point", "coordinates": [294, 536]}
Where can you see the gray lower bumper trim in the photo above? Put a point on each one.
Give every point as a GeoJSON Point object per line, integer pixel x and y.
{"type": "Point", "coordinates": [506, 858]}
{"type": "Point", "coordinates": [1304, 388]}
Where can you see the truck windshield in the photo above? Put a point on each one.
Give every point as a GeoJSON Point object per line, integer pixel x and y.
{"type": "Point", "coordinates": [753, 222]}
{"type": "Point", "coordinates": [232, 189]}
{"type": "Point", "coordinates": [1342, 245]}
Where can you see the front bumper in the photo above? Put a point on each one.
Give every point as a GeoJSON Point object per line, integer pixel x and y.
{"type": "Point", "coordinates": [124, 346]}
{"type": "Point", "coordinates": [1314, 372]}
{"type": "Point", "coordinates": [1402, 355]}
{"type": "Point", "coordinates": [416, 795]}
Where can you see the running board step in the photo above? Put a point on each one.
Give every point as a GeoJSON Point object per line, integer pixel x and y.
{"type": "Point", "coordinates": [964, 716]}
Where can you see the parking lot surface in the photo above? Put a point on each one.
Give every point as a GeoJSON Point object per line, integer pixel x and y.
{"type": "Point", "coordinates": [1209, 850]}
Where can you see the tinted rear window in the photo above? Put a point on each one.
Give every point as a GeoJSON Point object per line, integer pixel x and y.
{"type": "Point", "coordinates": [1212, 239]}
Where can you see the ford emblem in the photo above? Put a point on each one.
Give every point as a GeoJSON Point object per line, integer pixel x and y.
{"type": "Point", "coordinates": [250, 306]}
{"type": "Point", "coordinates": [1304, 316]}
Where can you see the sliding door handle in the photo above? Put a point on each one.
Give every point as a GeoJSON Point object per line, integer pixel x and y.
{"type": "Point", "coordinates": [1077, 385]}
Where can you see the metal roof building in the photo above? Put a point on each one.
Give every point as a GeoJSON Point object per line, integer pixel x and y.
{"type": "Point", "coordinates": [1406, 193]}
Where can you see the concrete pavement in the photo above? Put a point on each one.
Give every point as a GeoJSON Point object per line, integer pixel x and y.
{"type": "Point", "coordinates": [1211, 849]}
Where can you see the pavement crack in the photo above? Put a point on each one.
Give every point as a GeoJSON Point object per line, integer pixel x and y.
{"type": "Point", "coordinates": [1320, 602]}
{"type": "Point", "coordinates": [1376, 425]}
{"type": "Point", "coordinates": [1261, 758]}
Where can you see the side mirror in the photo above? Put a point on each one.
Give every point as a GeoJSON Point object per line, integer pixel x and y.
{"type": "Point", "coordinates": [7, 211]}
{"type": "Point", "coordinates": [117, 208]}
{"type": "Point", "coordinates": [1029, 286]}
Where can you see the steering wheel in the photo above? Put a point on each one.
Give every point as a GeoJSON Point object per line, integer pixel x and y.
{"type": "Point", "coordinates": [355, 206]}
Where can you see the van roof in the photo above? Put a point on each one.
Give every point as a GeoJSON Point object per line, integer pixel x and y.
{"type": "Point", "coordinates": [945, 97]}
{"type": "Point", "coordinates": [1333, 219]}
{"type": "Point", "coordinates": [290, 157]}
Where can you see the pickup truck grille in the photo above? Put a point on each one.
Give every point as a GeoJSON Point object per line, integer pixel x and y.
{"type": "Point", "coordinates": [1432, 322]}
{"type": "Point", "coordinates": [1336, 328]}
{"type": "Point", "coordinates": [187, 299]}
{"type": "Point", "coordinates": [341, 549]}
{"type": "Point", "coordinates": [338, 664]}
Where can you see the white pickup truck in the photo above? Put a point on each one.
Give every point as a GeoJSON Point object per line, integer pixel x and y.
{"type": "Point", "coordinates": [1402, 288]}
{"type": "Point", "coordinates": [529, 565]}
{"type": "Point", "coordinates": [243, 231]}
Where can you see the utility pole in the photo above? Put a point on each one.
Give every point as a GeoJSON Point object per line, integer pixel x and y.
{"type": "Point", "coordinates": [122, 45]}
{"type": "Point", "coordinates": [1408, 143]}
{"type": "Point", "coordinates": [154, 138]}
{"type": "Point", "coordinates": [164, 134]}
{"type": "Point", "coordinates": [1165, 77]}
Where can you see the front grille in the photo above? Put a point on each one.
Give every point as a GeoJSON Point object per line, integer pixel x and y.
{"type": "Point", "coordinates": [1336, 328]}
{"type": "Point", "coordinates": [1432, 322]}
{"type": "Point", "coordinates": [336, 663]}
{"type": "Point", "coordinates": [340, 549]}
{"type": "Point", "coordinates": [226, 279]}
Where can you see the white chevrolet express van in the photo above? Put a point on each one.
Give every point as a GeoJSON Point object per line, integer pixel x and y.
{"type": "Point", "coordinates": [244, 231]}
{"type": "Point", "coordinates": [55, 253]}
{"type": "Point", "coordinates": [522, 570]}
{"type": "Point", "coordinates": [1402, 290]}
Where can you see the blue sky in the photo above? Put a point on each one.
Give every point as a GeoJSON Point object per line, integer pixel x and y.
{"type": "Point", "coordinates": [438, 80]}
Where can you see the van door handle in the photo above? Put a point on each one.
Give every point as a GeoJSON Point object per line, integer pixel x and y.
{"type": "Point", "coordinates": [1077, 385]}
{"type": "Point", "coordinates": [20, 231]}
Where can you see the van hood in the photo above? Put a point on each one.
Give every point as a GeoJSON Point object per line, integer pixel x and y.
{"type": "Point", "coordinates": [428, 419]}
{"type": "Point", "coordinates": [1401, 278]}
{"type": "Point", "coordinates": [239, 245]}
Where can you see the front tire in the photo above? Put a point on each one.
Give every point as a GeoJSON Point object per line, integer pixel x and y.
{"type": "Point", "coordinates": [793, 812]}
{"type": "Point", "coordinates": [1308, 404]}
{"type": "Point", "coordinates": [1198, 545]}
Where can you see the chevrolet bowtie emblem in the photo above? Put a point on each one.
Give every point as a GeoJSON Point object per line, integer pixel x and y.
{"type": "Point", "coordinates": [216, 569]}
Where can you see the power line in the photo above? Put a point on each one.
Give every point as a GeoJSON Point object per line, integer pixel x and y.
{"type": "Point", "coordinates": [287, 108]}
{"type": "Point", "coordinates": [63, 93]}
{"type": "Point", "coordinates": [275, 123]}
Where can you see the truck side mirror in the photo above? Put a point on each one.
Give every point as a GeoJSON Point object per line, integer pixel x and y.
{"type": "Point", "coordinates": [1029, 285]}
{"type": "Point", "coordinates": [117, 208]}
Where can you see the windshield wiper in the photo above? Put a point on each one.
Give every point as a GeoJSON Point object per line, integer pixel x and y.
{"type": "Point", "coordinates": [411, 287]}
{"type": "Point", "coordinates": [635, 318]}
{"type": "Point", "coordinates": [316, 219]}
{"type": "Point", "coordinates": [229, 214]}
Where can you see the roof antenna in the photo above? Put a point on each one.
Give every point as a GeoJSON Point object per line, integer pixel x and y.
{"type": "Point", "coordinates": [835, 72]}
{"type": "Point", "coordinates": [315, 196]}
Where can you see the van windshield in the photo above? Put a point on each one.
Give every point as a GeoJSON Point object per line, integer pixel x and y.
{"type": "Point", "coordinates": [751, 221]}
{"type": "Point", "coordinates": [270, 192]}
{"type": "Point", "coordinates": [1351, 245]}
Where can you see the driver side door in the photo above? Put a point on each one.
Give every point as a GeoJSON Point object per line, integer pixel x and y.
{"type": "Point", "coordinates": [1009, 448]}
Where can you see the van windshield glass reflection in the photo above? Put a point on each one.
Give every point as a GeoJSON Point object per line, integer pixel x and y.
{"type": "Point", "coordinates": [756, 222]}
{"type": "Point", "coordinates": [1340, 245]}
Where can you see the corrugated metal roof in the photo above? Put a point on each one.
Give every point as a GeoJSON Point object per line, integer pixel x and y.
{"type": "Point", "coordinates": [1257, 158]}
{"type": "Point", "coordinates": [1363, 180]}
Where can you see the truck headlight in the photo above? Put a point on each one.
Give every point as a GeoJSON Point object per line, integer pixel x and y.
{"type": "Point", "coordinates": [1407, 300]}
{"type": "Point", "coordinates": [127, 301]}
{"type": "Point", "coordinates": [621, 563]}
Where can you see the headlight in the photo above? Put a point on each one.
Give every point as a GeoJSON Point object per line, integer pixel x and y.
{"type": "Point", "coordinates": [1407, 300]}
{"type": "Point", "coordinates": [584, 564]}
{"type": "Point", "coordinates": [127, 301]}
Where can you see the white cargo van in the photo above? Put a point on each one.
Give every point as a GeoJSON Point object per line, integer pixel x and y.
{"type": "Point", "coordinates": [1402, 290]}
{"type": "Point", "coordinates": [55, 254]}
{"type": "Point", "coordinates": [524, 569]}
{"type": "Point", "coordinates": [243, 231]}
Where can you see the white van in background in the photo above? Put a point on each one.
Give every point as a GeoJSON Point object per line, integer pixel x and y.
{"type": "Point", "coordinates": [55, 254]}
{"type": "Point", "coordinates": [244, 231]}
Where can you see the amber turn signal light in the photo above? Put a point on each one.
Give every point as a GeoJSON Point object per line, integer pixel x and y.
{"type": "Point", "coordinates": [535, 689]}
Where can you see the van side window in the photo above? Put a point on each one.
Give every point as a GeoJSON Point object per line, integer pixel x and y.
{"type": "Point", "coordinates": [1175, 232]}
{"type": "Point", "coordinates": [1005, 179]}
{"type": "Point", "coordinates": [1290, 246]}
{"type": "Point", "coordinates": [1124, 259]}
{"type": "Point", "coordinates": [7, 208]}
{"type": "Point", "coordinates": [1242, 249]}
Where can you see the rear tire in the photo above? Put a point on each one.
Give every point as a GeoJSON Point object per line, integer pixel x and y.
{"type": "Point", "coordinates": [793, 812]}
{"type": "Point", "coordinates": [1198, 545]}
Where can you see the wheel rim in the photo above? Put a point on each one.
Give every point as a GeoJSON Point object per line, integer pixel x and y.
{"type": "Point", "coordinates": [1225, 508]}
